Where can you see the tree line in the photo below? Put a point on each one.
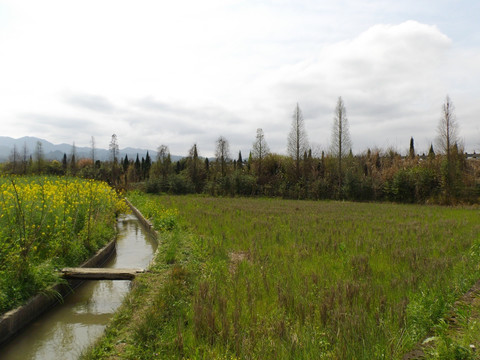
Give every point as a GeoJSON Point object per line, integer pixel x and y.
{"type": "Point", "coordinates": [444, 175]}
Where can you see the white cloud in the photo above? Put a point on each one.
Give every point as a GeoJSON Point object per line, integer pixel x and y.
{"type": "Point", "coordinates": [186, 71]}
{"type": "Point", "coordinates": [390, 77]}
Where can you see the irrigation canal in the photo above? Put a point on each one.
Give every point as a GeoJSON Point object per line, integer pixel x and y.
{"type": "Point", "coordinates": [68, 329]}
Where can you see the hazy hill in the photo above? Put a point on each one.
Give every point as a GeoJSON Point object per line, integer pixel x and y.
{"type": "Point", "coordinates": [52, 151]}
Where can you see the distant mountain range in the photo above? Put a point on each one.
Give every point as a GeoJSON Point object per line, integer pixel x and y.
{"type": "Point", "coordinates": [55, 152]}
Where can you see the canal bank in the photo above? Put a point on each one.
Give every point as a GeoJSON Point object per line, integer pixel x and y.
{"type": "Point", "coordinates": [66, 330]}
{"type": "Point", "coordinates": [15, 320]}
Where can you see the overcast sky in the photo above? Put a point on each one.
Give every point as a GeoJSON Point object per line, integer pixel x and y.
{"type": "Point", "coordinates": [187, 71]}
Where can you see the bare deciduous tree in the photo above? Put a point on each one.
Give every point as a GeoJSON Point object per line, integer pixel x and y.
{"type": "Point", "coordinates": [24, 158]}
{"type": "Point", "coordinates": [39, 156]}
{"type": "Point", "coordinates": [222, 153]}
{"type": "Point", "coordinates": [114, 150]}
{"type": "Point", "coordinates": [260, 149]}
{"type": "Point", "coordinates": [297, 139]}
{"type": "Point", "coordinates": [92, 151]}
{"type": "Point", "coordinates": [447, 128]}
{"type": "Point", "coordinates": [14, 159]}
{"type": "Point", "coordinates": [447, 142]}
{"type": "Point", "coordinates": [162, 153]}
{"type": "Point", "coordinates": [341, 142]}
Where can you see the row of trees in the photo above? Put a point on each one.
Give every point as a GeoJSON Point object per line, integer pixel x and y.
{"type": "Point", "coordinates": [337, 174]}
{"type": "Point", "coordinates": [115, 171]}
{"type": "Point", "coordinates": [374, 175]}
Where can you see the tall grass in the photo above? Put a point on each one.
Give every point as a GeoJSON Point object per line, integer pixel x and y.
{"type": "Point", "coordinates": [286, 279]}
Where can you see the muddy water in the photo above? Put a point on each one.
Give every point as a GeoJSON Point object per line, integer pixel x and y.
{"type": "Point", "coordinates": [65, 331]}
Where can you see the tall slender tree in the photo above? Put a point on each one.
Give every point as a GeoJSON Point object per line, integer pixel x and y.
{"type": "Point", "coordinates": [240, 160]}
{"type": "Point", "coordinates": [297, 138]}
{"type": "Point", "coordinates": [114, 149]}
{"type": "Point", "coordinates": [114, 152]}
{"type": "Point", "coordinates": [341, 142]}
{"type": "Point", "coordinates": [73, 160]}
{"type": "Point", "coordinates": [447, 129]}
{"type": "Point", "coordinates": [222, 153]}
{"type": "Point", "coordinates": [14, 159]}
{"type": "Point", "coordinates": [147, 166]}
{"type": "Point", "coordinates": [138, 168]}
{"type": "Point", "coordinates": [447, 140]}
{"type": "Point", "coordinates": [194, 169]}
{"type": "Point", "coordinates": [411, 152]}
{"type": "Point", "coordinates": [39, 156]}
{"type": "Point", "coordinates": [125, 163]}
{"type": "Point", "coordinates": [64, 163]}
{"type": "Point", "coordinates": [92, 150]}
{"type": "Point", "coordinates": [260, 149]}
{"type": "Point", "coordinates": [24, 158]}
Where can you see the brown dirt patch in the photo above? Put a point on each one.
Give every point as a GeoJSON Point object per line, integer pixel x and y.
{"type": "Point", "coordinates": [236, 257]}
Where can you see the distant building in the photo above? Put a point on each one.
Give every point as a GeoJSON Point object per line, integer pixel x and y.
{"type": "Point", "coordinates": [473, 156]}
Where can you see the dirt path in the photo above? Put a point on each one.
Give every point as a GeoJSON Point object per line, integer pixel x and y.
{"type": "Point", "coordinates": [470, 299]}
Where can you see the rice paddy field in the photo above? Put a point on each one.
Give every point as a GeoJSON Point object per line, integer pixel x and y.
{"type": "Point", "coordinates": [47, 223]}
{"type": "Point", "coordinates": [240, 278]}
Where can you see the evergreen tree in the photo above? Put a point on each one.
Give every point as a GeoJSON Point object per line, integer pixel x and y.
{"type": "Point", "coordinates": [64, 163]}
{"type": "Point", "coordinates": [142, 169]}
{"type": "Point", "coordinates": [207, 165]}
{"type": "Point", "coordinates": [431, 153]}
{"type": "Point", "coordinates": [148, 165]}
{"type": "Point", "coordinates": [138, 168]}
{"type": "Point", "coordinates": [73, 160]}
{"type": "Point", "coordinates": [249, 162]}
{"type": "Point", "coordinates": [194, 169]}
{"type": "Point", "coordinates": [125, 163]}
{"type": "Point", "coordinates": [240, 160]}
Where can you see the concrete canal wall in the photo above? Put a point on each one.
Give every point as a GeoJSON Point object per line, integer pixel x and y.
{"type": "Point", "coordinates": [15, 320]}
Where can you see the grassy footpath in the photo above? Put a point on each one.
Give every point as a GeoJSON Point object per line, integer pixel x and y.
{"type": "Point", "coordinates": [269, 279]}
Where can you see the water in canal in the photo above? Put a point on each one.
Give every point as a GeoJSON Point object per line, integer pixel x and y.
{"type": "Point", "coordinates": [65, 331]}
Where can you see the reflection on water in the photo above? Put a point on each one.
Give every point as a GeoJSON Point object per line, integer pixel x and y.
{"type": "Point", "coordinates": [64, 332]}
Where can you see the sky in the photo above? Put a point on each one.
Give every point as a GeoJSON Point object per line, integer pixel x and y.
{"type": "Point", "coordinates": [183, 72]}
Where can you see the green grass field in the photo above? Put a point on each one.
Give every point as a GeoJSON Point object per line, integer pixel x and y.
{"type": "Point", "coordinates": [272, 279]}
